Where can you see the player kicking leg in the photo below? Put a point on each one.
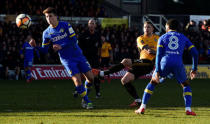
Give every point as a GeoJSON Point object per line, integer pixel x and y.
{"type": "Point", "coordinates": [126, 80]}
{"type": "Point", "coordinates": [136, 69]}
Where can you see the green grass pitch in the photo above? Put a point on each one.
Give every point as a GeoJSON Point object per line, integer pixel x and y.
{"type": "Point", "coordinates": [52, 102]}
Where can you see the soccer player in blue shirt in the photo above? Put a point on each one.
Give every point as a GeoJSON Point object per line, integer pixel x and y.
{"type": "Point", "coordinates": [169, 60]}
{"type": "Point", "coordinates": [27, 52]}
{"type": "Point", "coordinates": [63, 38]}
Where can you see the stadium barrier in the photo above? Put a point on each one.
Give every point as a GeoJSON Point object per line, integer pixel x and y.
{"type": "Point", "coordinates": [203, 71]}
{"type": "Point", "coordinates": [57, 72]}
{"type": "Point", "coordinates": [49, 72]}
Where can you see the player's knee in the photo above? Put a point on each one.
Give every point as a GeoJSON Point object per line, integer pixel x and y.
{"type": "Point", "coordinates": [126, 62]}
{"type": "Point", "coordinates": [154, 82]}
{"type": "Point", "coordinates": [186, 83]}
{"type": "Point", "coordinates": [123, 62]}
{"type": "Point", "coordinates": [126, 80]}
{"type": "Point", "coordinates": [76, 80]}
{"type": "Point", "coordinates": [123, 81]}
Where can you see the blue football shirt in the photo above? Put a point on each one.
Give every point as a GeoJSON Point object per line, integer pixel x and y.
{"type": "Point", "coordinates": [70, 55]}
{"type": "Point", "coordinates": [64, 35]}
{"type": "Point", "coordinates": [170, 49]}
{"type": "Point", "coordinates": [28, 51]}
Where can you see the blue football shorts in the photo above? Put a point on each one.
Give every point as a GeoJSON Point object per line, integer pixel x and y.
{"type": "Point", "coordinates": [28, 63]}
{"type": "Point", "coordinates": [76, 65]}
{"type": "Point", "coordinates": [177, 71]}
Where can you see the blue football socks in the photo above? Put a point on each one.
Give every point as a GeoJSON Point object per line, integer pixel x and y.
{"type": "Point", "coordinates": [147, 93]}
{"type": "Point", "coordinates": [81, 90]}
{"type": "Point", "coordinates": [187, 93]}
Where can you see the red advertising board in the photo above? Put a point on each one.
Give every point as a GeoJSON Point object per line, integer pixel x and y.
{"type": "Point", "coordinates": [52, 72]}
{"type": "Point", "coordinates": [57, 72]}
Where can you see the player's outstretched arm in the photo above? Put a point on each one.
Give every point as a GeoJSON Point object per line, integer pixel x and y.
{"type": "Point", "coordinates": [159, 55]}
{"type": "Point", "coordinates": [194, 53]}
{"type": "Point", "coordinates": [43, 50]}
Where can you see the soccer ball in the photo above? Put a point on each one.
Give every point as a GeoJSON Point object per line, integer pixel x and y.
{"type": "Point", "coordinates": [23, 21]}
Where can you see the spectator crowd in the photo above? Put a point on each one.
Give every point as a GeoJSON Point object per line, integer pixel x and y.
{"type": "Point", "coordinates": [75, 8]}
{"type": "Point", "coordinates": [199, 34]}
{"type": "Point", "coordinates": [122, 39]}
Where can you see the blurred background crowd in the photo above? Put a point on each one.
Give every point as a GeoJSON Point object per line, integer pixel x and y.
{"type": "Point", "coordinates": [121, 38]}
{"type": "Point", "coordinates": [76, 8]}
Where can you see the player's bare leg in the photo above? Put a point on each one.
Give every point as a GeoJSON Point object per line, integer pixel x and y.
{"type": "Point", "coordinates": [89, 80]}
{"type": "Point", "coordinates": [88, 83]}
{"type": "Point", "coordinates": [124, 63]}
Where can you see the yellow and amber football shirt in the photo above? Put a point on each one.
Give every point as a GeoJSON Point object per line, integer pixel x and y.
{"type": "Point", "coordinates": [151, 42]}
{"type": "Point", "coordinates": [106, 47]}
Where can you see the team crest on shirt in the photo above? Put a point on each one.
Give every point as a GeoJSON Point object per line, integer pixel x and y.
{"type": "Point", "coordinates": [61, 30]}
{"type": "Point", "coordinates": [155, 40]}
{"type": "Point", "coordinates": [71, 31]}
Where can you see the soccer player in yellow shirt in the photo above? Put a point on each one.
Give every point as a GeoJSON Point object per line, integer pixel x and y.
{"type": "Point", "coordinates": [106, 52]}
{"type": "Point", "coordinates": [146, 44]}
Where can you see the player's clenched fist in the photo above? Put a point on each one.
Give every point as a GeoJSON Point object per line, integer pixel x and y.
{"type": "Point", "coordinates": [193, 74]}
{"type": "Point", "coordinates": [56, 47]}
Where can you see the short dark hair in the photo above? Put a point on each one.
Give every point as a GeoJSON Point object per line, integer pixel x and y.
{"type": "Point", "coordinates": [50, 10]}
{"type": "Point", "coordinates": [148, 22]}
{"type": "Point", "coordinates": [173, 24]}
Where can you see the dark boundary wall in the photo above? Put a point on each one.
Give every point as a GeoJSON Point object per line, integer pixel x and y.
{"type": "Point", "coordinates": [188, 7]}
